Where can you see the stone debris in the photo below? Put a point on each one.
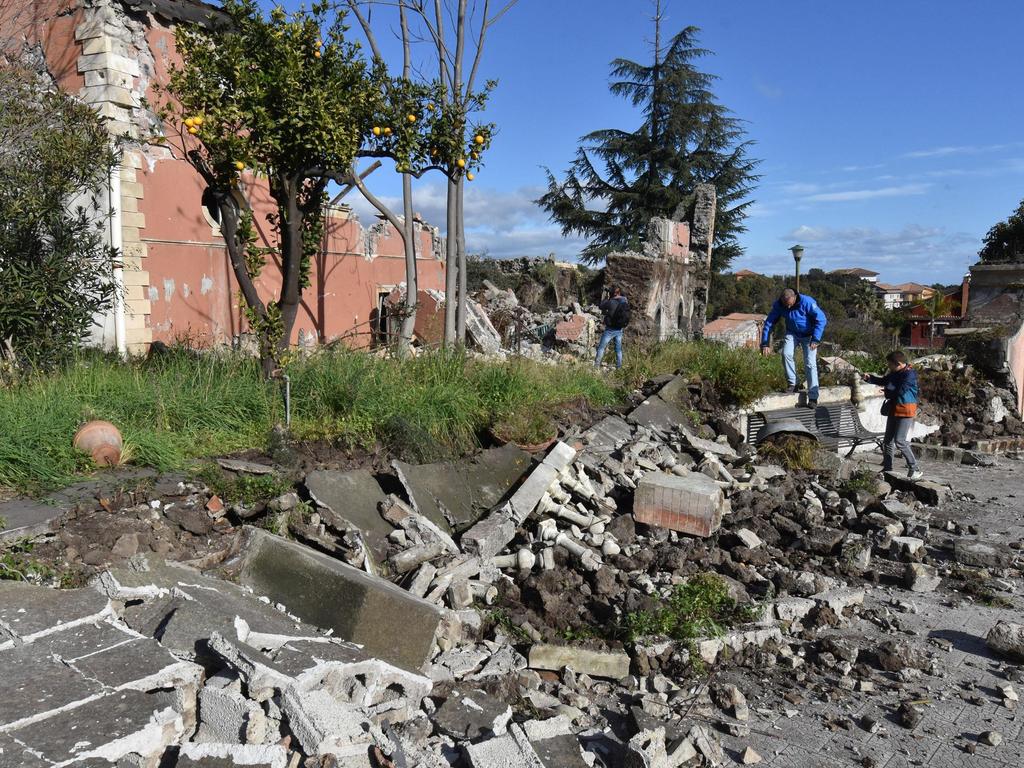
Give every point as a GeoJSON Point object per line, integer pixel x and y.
{"type": "Point", "coordinates": [502, 610]}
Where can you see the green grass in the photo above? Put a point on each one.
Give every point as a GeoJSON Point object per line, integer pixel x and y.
{"type": "Point", "coordinates": [740, 376]}
{"type": "Point", "coordinates": [181, 406]}
{"type": "Point", "coordinates": [242, 489]}
{"type": "Point", "coordinates": [700, 608]}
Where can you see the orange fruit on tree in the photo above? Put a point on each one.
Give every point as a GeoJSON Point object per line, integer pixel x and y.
{"type": "Point", "coordinates": [470, 176]}
{"type": "Point", "coordinates": [193, 130]}
{"type": "Point", "coordinates": [316, 54]}
{"type": "Point", "coordinates": [189, 122]}
{"type": "Point", "coordinates": [198, 120]}
{"type": "Point", "coordinates": [411, 118]}
{"type": "Point", "coordinates": [478, 139]}
{"type": "Point", "coordinates": [387, 131]}
{"type": "Point", "coordinates": [461, 162]}
{"type": "Point", "coordinates": [376, 130]}
{"type": "Point", "coordinates": [476, 155]}
{"type": "Point", "coordinates": [239, 165]}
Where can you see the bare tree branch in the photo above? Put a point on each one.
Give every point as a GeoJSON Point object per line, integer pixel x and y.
{"type": "Point", "coordinates": [364, 22]}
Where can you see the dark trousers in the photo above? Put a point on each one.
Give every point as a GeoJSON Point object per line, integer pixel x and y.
{"type": "Point", "coordinates": [897, 435]}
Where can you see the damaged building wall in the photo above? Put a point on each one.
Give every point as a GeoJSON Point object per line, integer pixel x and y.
{"type": "Point", "coordinates": [993, 335]}
{"type": "Point", "coordinates": [667, 284]}
{"type": "Point", "coordinates": [178, 281]}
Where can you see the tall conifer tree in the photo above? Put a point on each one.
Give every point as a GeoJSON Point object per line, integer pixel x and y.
{"type": "Point", "coordinates": [620, 180]}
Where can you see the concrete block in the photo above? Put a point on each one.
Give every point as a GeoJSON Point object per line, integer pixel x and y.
{"type": "Point", "coordinates": [691, 503]}
{"type": "Point", "coordinates": [324, 726]}
{"type": "Point", "coordinates": [927, 492]}
{"type": "Point", "coordinates": [224, 711]}
{"type": "Point", "coordinates": [793, 608]}
{"type": "Point", "coordinates": [471, 714]}
{"type": "Point", "coordinates": [508, 751]}
{"type": "Point", "coordinates": [919, 577]}
{"type": "Point", "coordinates": [193, 755]}
{"type": "Point", "coordinates": [608, 664]}
{"type": "Point", "coordinates": [387, 621]}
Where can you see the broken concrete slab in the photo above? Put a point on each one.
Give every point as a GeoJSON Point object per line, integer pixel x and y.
{"type": "Point", "coordinates": [453, 495]}
{"type": "Point", "coordinates": [609, 664]}
{"type": "Point", "coordinates": [324, 726]}
{"type": "Point", "coordinates": [30, 611]}
{"type": "Point", "coordinates": [722, 450]}
{"type": "Point", "coordinates": [182, 608]}
{"type": "Point", "coordinates": [470, 713]}
{"type": "Point", "coordinates": [488, 537]}
{"type": "Point", "coordinates": [193, 755]}
{"type": "Point", "coordinates": [655, 413]}
{"type": "Point", "coordinates": [607, 436]}
{"type": "Point", "coordinates": [983, 554]}
{"type": "Point", "coordinates": [480, 329]}
{"type": "Point", "coordinates": [927, 492]}
{"type": "Point", "coordinates": [508, 751]}
{"type": "Point", "coordinates": [690, 503]}
{"type": "Point", "coordinates": [384, 619]}
{"type": "Point", "coordinates": [223, 711]}
{"type": "Point", "coordinates": [553, 741]}
{"type": "Point", "coordinates": [352, 499]}
{"type": "Point", "coordinates": [919, 577]}
{"type": "Point", "coordinates": [109, 727]}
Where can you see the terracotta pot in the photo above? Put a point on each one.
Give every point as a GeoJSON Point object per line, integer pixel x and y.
{"type": "Point", "coordinates": [102, 441]}
{"type": "Point", "coordinates": [538, 447]}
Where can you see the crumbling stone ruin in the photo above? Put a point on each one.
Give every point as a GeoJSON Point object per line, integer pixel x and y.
{"type": "Point", "coordinates": [667, 283]}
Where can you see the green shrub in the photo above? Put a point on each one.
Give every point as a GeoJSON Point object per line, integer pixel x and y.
{"type": "Point", "coordinates": [790, 451]}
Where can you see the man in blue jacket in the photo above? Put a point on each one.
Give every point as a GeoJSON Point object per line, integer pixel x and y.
{"type": "Point", "coordinates": [805, 324]}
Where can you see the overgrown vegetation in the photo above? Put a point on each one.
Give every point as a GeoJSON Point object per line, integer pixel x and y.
{"type": "Point", "coordinates": [739, 376]}
{"type": "Point", "coordinates": [861, 480]}
{"type": "Point", "coordinates": [182, 406]}
{"type": "Point", "coordinates": [17, 563]}
{"type": "Point", "coordinates": [56, 270]}
{"type": "Point", "coordinates": [790, 451]}
{"type": "Point", "coordinates": [244, 488]}
{"type": "Point", "coordinates": [700, 608]}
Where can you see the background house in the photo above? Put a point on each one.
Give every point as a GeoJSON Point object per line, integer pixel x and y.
{"type": "Point", "coordinates": [178, 282]}
{"type": "Point", "coordinates": [737, 329]}
{"type": "Point", "coordinates": [866, 275]}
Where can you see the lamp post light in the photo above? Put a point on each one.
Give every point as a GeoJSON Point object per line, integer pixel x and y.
{"type": "Point", "coordinates": [798, 252]}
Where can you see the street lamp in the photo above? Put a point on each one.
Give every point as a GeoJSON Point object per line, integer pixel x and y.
{"type": "Point", "coordinates": [798, 252]}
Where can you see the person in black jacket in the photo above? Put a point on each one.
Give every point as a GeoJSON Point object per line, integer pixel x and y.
{"type": "Point", "coordinates": [900, 410]}
{"type": "Point", "coordinates": [616, 318]}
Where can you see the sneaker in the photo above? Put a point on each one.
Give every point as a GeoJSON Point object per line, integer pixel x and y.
{"type": "Point", "coordinates": [915, 474]}
{"type": "Point", "coordinates": [791, 389]}
{"type": "Point", "coordinates": [812, 404]}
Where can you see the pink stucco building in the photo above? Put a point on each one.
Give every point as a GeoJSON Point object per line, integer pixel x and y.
{"type": "Point", "coordinates": [177, 279]}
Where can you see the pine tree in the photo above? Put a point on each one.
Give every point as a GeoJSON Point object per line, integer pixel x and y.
{"type": "Point", "coordinates": [620, 180]}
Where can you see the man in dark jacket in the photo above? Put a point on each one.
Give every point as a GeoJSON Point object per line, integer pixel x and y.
{"type": "Point", "coordinates": [616, 318]}
{"type": "Point", "coordinates": [900, 409]}
{"type": "Point", "coordinates": [805, 324]}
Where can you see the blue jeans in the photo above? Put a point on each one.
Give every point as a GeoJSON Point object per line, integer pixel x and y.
{"type": "Point", "coordinates": [606, 337]}
{"type": "Point", "coordinates": [810, 363]}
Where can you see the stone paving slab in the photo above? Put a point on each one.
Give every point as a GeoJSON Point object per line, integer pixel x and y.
{"type": "Point", "coordinates": [27, 610]}
{"type": "Point", "coordinates": [33, 684]}
{"type": "Point", "coordinates": [114, 726]}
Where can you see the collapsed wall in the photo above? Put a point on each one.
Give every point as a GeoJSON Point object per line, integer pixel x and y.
{"type": "Point", "coordinates": [667, 284]}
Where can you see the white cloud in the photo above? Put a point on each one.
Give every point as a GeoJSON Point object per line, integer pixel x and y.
{"type": "Point", "coordinates": [849, 195]}
{"type": "Point", "coordinates": [504, 224]}
{"type": "Point", "coordinates": [911, 253]}
{"type": "Point", "coordinates": [969, 149]}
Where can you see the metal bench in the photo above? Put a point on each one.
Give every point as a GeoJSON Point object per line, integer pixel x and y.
{"type": "Point", "coordinates": [845, 424]}
{"type": "Point", "coordinates": [836, 426]}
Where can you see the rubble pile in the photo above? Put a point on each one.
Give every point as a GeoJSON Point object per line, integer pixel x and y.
{"type": "Point", "coordinates": [646, 593]}
{"type": "Point", "coordinates": [547, 334]}
{"type": "Point", "coordinates": [971, 407]}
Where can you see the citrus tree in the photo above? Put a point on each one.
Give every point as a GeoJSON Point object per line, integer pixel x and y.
{"type": "Point", "coordinates": [285, 100]}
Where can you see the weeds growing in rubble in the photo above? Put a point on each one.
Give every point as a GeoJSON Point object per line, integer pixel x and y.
{"type": "Point", "coordinates": [739, 376]}
{"type": "Point", "coordinates": [700, 608]}
{"type": "Point", "coordinates": [790, 451]}
{"type": "Point", "coordinates": [242, 489]}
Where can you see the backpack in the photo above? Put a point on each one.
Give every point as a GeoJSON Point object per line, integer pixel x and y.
{"type": "Point", "coordinates": [618, 318]}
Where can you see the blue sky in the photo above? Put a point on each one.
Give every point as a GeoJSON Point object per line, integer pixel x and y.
{"type": "Point", "coordinates": [890, 132]}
